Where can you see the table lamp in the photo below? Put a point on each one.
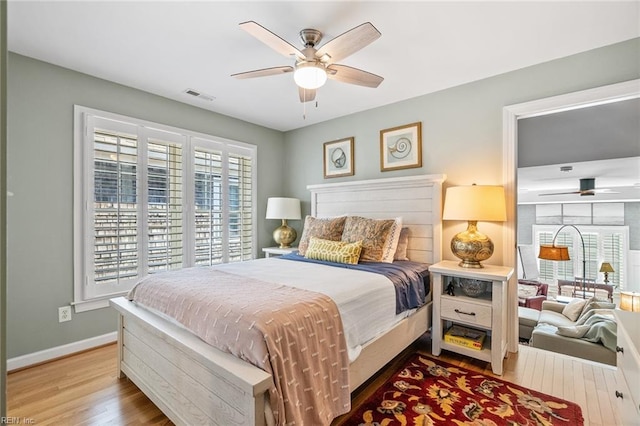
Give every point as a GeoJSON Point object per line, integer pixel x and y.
{"type": "Point", "coordinates": [630, 301]}
{"type": "Point", "coordinates": [283, 209]}
{"type": "Point", "coordinates": [474, 203]}
{"type": "Point", "coordinates": [607, 269]}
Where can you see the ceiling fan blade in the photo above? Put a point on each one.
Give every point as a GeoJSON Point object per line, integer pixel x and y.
{"type": "Point", "coordinates": [306, 95]}
{"type": "Point", "coordinates": [352, 75]}
{"type": "Point", "coordinates": [263, 72]}
{"type": "Point", "coordinates": [272, 40]}
{"type": "Point", "coordinates": [562, 193]}
{"type": "Point", "coordinates": [348, 42]}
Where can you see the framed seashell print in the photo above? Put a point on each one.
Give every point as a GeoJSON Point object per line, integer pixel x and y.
{"type": "Point", "coordinates": [401, 147]}
{"type": "Point", "coordinates": [338, 158]}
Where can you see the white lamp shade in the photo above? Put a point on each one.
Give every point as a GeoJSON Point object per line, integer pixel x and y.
{"type": "Point", "coordinates": [283, 208]}
{"type": "Point", "coordinates": [309, 76]}
{"type": "Point", "coordinates": [475, 202]}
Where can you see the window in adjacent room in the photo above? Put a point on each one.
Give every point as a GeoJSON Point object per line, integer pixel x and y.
{"type": "Point", "coordinates": [154, 198]}
{"type": "Point", "coordinates": [601, 244]}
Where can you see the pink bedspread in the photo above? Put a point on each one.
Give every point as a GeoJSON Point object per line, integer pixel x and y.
{"type": "Point", "coordinates": [295, 335]}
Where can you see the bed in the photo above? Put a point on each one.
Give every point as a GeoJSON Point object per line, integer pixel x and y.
{"type": "Point", "coordinates": [192, 382]}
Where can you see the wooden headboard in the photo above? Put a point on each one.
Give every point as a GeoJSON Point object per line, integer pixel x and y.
{"type": "Point", "coordinates": [418, 199]}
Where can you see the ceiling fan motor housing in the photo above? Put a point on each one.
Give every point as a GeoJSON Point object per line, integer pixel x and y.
{"type": "Point", "coordinates": [310, 37]}
{"type": "Point", "coordinates": [587, 185]}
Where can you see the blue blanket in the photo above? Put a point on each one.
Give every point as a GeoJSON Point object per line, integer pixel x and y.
{"type": "Point", "coordinates": [410, 279]}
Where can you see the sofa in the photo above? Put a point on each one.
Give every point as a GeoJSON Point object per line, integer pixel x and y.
{"type": "Point", "coordinates": [587, 331]}
{"type": "Point", "coordinates": [531, 294]}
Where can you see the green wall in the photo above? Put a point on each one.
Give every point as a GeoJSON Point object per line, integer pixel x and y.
{"type": "Point", "coordinates": [40, 176]}
{"type": "Point", "coordinates": [461, 126]}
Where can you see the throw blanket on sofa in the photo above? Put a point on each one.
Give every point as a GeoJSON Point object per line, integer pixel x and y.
{"type": "Point", "coordinates": [295, 335]}
{"type": "Point", "coordinates": [602, 329]}
{"type": "Point", "coordinates": [597, 328]}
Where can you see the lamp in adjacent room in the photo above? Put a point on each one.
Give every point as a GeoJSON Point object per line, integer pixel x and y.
{"type": "Point", "coordinates": [561, 253]}
{"type": "Point", "coordinates": [284, 209]}
{"type": "Point", "coordinates": [474, 203]}
{"type": "Point", "coordinates": [630, 301]}
{"type": "Point", "coordinates": [607, 269]}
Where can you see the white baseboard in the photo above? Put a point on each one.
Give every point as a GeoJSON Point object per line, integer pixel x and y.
{"type": "Point", "coordinates": [60, 351]}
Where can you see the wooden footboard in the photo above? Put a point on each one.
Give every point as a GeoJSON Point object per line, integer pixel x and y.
{"type": "Point", "coordinates": [190, 381]}
{"type": "Point", "coordinates": [194, 383]}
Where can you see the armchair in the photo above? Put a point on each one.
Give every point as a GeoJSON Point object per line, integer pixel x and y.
{"type": "Point", "coordinates": [531, 294]}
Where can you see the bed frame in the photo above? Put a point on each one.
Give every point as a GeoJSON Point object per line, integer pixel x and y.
{"type": "Point", "coordinates": [194, 383]}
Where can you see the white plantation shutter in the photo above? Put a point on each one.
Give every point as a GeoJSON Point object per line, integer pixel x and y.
{"type": "Point", "coordinates": [208, 207]}
{"type": "Point", "coordinates": [565, 270]}
{"type": "Point", "coordinates": [240, 207]}
{"type": "Point", "coordinates": [591, 252]}
{"type": "Point", "coordinates": [154, 198]}
{"type": "Point", "coordinates": [164, 205]}
{"type": "Point", "coordinates": [614, 249]}
{"type": "Point", "coordinates": [546, 266]}
{"type": "Point", "coordinates": [115, 205]}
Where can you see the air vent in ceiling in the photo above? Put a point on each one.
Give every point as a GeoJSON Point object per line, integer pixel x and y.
{"type": "Point", "coordinates": [200, 95]}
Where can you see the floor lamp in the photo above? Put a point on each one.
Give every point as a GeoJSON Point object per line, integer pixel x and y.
{"type": "Point", "coordinates": [554, 252]}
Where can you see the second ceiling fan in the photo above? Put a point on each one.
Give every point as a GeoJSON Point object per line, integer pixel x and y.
{"type": "Point", "coordinates": [587, 188]}
{"type": "Point", "coordinates": [314, 65]}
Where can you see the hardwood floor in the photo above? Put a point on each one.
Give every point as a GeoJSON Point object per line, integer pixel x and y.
{"type": "Point", "coordinates": [83, 389]}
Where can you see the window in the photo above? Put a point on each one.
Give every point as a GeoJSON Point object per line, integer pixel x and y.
{"type": "Point", "coordinates": [601, 244]}
{"type": "Point", "coordinates": [154, 198]}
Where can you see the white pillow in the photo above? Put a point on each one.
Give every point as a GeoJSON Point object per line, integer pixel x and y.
{"type": "Point", "coordinates": [574, 309]}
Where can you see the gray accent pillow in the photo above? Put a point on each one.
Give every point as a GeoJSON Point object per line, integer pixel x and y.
{"type": "Point", "coordinates": [574, 309]}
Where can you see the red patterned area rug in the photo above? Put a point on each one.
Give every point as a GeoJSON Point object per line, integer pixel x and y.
{"type": "Point", "coordinates": [432, 392]}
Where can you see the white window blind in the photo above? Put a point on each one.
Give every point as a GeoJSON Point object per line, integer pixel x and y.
{"type": "Point", "coordinates": [155, 198]}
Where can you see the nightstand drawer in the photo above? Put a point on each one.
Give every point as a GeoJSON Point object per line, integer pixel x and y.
{"type": "Point", "coordinates": [466, 311]}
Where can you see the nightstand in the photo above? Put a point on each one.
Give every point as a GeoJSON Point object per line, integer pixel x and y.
{"type": "Point", "coordinates": [484, 309]}
{"type": "Point", "coordinates": [277, 251]}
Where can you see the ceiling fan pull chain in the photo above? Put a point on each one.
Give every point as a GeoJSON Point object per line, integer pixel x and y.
{"type": "Point", "coordinates": [304, 105]}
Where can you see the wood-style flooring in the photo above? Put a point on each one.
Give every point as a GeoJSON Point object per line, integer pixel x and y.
{"type": "Point", "coordinates": [83, 389]}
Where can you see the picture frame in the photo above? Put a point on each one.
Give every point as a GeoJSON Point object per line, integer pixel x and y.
{"type": "Point", "coordinates": [338, 158]}
{"type": "Point", "coordinates": [401, 147]}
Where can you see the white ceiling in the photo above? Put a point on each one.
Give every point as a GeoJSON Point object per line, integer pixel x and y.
{"type": "Point", "coordinates": [166, 47]}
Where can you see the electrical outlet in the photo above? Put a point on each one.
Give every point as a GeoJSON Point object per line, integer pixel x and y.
{"type": "Point", "coordinates": [64, 313]}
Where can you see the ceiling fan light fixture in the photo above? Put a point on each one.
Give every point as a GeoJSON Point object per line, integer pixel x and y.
{"type": "Point", "coordinates": [309, 75]}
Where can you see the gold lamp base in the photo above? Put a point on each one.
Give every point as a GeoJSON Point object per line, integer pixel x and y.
{"type": "Point", "coordinates": [285, 235]}
{"type": "Point", "coordinates": [471, 246]}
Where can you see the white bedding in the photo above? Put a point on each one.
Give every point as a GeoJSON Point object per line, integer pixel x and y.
{"type": "Point", "coordinates": [366, 300]}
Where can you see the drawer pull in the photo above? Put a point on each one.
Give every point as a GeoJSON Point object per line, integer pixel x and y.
{"type": "Point", "coordinates": [619, 395]}
{"type": "Point", "coordinates": [619, 349]}
{"type": "Point", "coordinates": [458, 311]}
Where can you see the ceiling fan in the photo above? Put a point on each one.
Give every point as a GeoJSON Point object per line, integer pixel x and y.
{"type": "Point", "coordinates": [587, 188]}
{"type": "Point", "coordinates": [314, 65]}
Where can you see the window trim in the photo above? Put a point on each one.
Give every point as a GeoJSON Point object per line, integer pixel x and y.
{"type": "Point", "coordinates": [83, 183]}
